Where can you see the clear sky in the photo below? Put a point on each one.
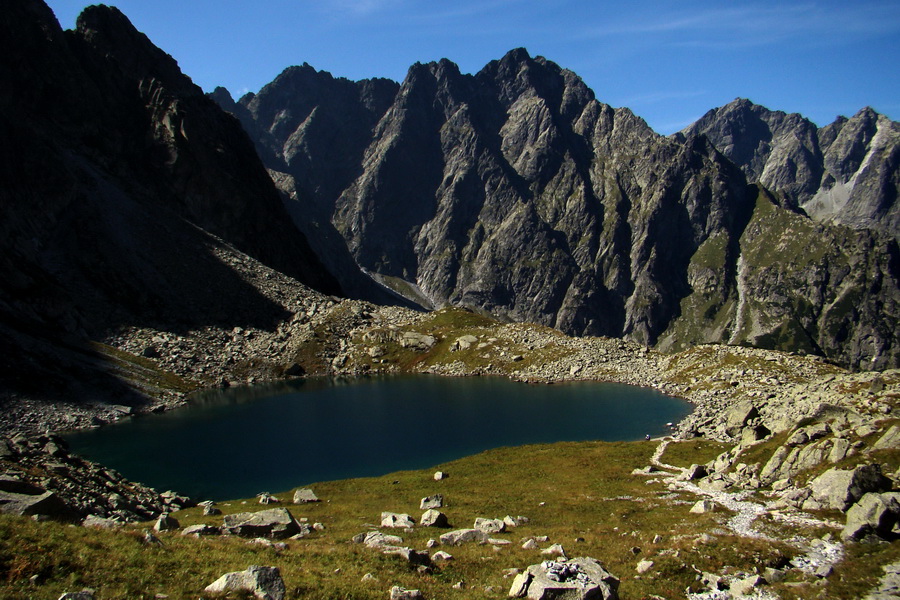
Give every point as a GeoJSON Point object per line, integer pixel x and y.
{"type": "Point", "coordinates": [669, 61]}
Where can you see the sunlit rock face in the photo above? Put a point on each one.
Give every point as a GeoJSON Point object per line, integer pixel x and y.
{"type": "Point", "coordinates": [514, 191]}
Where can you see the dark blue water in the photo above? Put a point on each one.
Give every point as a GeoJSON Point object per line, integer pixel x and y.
{"type": "Point", "coordinates": [239, 442]}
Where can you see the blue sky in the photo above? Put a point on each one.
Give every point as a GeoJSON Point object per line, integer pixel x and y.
{"type": "Point", "coordinates": [669, 61]}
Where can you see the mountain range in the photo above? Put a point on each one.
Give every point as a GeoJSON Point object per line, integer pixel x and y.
{"type": "Point", "coordinates": [516, 192]}
{"type": "Point", "coordinates": [129, 196]}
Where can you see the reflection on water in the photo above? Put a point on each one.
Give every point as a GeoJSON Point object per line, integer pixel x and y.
{"type": "Point", "coordinates": [241, 441]}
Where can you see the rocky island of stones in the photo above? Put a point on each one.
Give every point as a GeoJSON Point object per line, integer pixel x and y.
{"type": "Point", "coordinates": [158, 241]}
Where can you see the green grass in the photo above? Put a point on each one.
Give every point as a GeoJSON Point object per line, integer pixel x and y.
{"type": "Point", "coordinates": [581, 495]}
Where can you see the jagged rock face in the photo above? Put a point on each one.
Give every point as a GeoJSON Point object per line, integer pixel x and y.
{"type": "Point", "coordinates": [122, 188]}
{"type": "Point", "coordinates": [514, 191]}
{"type": "Point", "coordinates": [847, 172]}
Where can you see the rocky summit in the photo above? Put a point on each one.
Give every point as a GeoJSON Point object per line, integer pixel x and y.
{"type": "Point", "coordinates": [516, 192]}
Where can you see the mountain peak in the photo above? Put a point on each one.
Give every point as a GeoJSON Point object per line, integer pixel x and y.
{"type": "Point", "coordinates": [110, 32]}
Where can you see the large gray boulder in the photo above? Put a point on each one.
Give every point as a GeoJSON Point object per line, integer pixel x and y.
{"type": "Point", "coordinates": [434, 518]}
{"type": "Point", "coordinates": [397, 520]}
{"type": "Point", "coordinates": [305, 496]}
{"type": "Point", "coordinates": [265, 583]}
{"type": "Point", "coordinates": [461, 536]}
{"type": "Point", "coordinates": [873, 514]}
{"type": "Point", "coordinates": [429, 502]}
{"type": "Point", "coordinates": [839, 489]}
{"type": "Point", "coordinates": [575, 579]}
{"type": "Point", "coordinates": [490, 525]}
{"type": "Point", "coordinates": [275, 523]}
{"type": "Point", "coordinates": [376, 539]}
{"type": "Point", "coordinates": [40, 503]}
{"type": "Point", "coordinates": [738, 416]}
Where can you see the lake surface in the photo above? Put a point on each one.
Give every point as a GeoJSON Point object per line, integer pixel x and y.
{"type": "Point", "coordinates": [239, 442]}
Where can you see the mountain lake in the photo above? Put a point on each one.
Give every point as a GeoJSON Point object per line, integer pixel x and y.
{"type": "Point", "coordinates": [238, 442]}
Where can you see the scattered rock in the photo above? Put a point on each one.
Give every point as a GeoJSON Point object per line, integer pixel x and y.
{"type": "Point", "coordinates": [399, 593]}
{"type": "Point", "coordinates": [305, 496]}
{"type": "Point", "coordinates": [166, 522]}
{"type": "Point", "coordinates": [82, 595]}
{"type": "Point", "coordinates": [376, 539]}
{"type": "Point", "coordinates": [417, 341]}
{"type": "Point", "coordinates": [429, 502]}
{"type": "Point", "coordinates": [200, 530]}
{"type": "Point", "coordinates": [397, 520]}
{"type": "Point", "coordinates": [576, 579]}
{"type": "Point", "coordinates": [644, 566]}
{"type": "Point", "coordinates": [554, 550]}
{"type": "Point", "coordinates": [746, 586]}
{"type": "Point", "coordinates": [461, 536]}
{"type": "Point", "coordinates": [265, 583]}
{"type": "Point", "coordinates": [490, 525]}
{"type": "Point", "coordinates": [275, 523]}
{"type": "Point", "coordinates": [434, 518]}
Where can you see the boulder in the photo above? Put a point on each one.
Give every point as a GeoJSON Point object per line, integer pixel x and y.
{"type": "Point", "coordinates": [839, 489]}
{"type": "Point", "coordinates": [490, 525]}
{"type": "Point", "coordinates": [82, 595]}
{"type": "Point", "coordinates": [441, 556]}
{"type": "Point", "coordinates": [41, 503]}
{"type": "Point", "coordinates": [694, 472]}
{"type": "Point", "coordinates": [839, 450]}
{"type": "Point", "coordinates": [745, 587]}
{"type": "Point", "coordinates": [275, 523]}
{"type": "Point", "coordinates": [265, 583]}
{"type": "Point", "coordinates": [439, 475]}
{"type": "Point", "coordinates": [461, 536]}
{"type": "Point", "coordinates": [397, 520]}
{"type": "Point", "coordinates": [14, 485]}
{"type": "Point", "coordinates": [738, 416]}
{"type": "Point", "coordinates": [399, 593]}
{"type": "Point", "coordinates": [555, 550]}
{"type": "Point", "coordinates": [375, 539]}
{"type": "Point", "coordinates": [100, 522]}
{"type": "Point", "coordinates": [414, 558]}
{"type": "Point", "coordinates": [753, 434]}
{"type": "Point", "coordinates": [429, 502]}
{"type": "Point", "coordinates": [512, 522]}
{"type": "Point", "coordinates": [890, 439]}
{"type": "Point", "coordinates": [201, 529]}
{"type": "Point", "coordinates": [874, 514]}
{"type": "Point", "coordinates": [434, 518]}
{"type": "Point", "coordinates": [644, 566]}
{"type": "Point", "coordinates": [464, 342]}
{"type": "Point", "coordinates": [305, 496]}
{"type": "Point", "coordinates": [703, 506]}
{"type": "Point", "coordinates": [417, 341]}
{"type": "Point", "coordinates": [576, 579]}
{"type": "Point", "coordinates": [166, 522]}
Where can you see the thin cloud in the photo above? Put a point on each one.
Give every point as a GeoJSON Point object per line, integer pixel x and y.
{"type": "Point", "coordinates": [359, 8]}
{"type": "Point", "coordinates": [754, 25]}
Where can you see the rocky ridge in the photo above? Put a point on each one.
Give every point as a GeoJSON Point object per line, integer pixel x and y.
{"type": "Point", "coordinates": [847, 172]}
